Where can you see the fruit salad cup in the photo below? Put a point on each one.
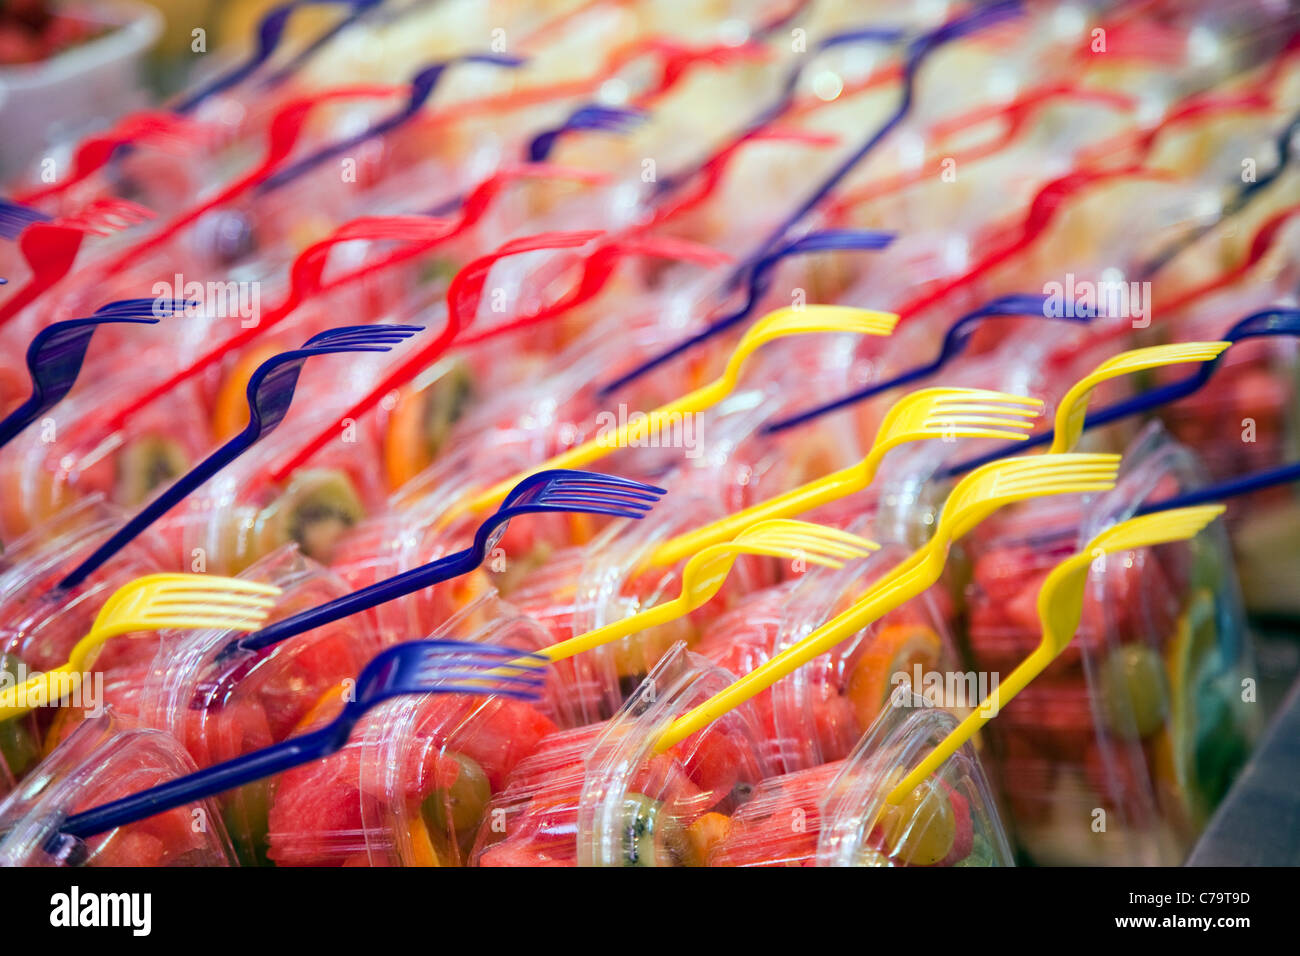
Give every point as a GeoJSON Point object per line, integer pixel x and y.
{"type": "Point", "coordinates": [41, 626]}
{"type": "Point", "coordinates": [1119, 751]}
{"type": "Point", "coordinates": [413, 784]}
{"type": "Point", "coordinates": [110, 757]}
{"type": "Point", "coordinates": [600, 796]}
{"type": "Point", "coordinates": [816, 714]}
{"type": "Point", "coordinates": [836, 814]}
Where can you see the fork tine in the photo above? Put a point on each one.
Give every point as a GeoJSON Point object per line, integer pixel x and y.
{"type": "Point", "coordinates": [621, 491]}
{"type": "Point", "coordinates": [809, 543]}
{"type": "Point", "coordinates": [811, 546]}
{"type": "Point", "coordinates": [1009, 404]}
{"type": "Point", "coordinates": [993, 420]}
{"type": "Point", "coordinates": [584, 503]}
{"type": "Point", "coordinates": [823, 530]}
{"type": "Point", "coordinates": [848, 547]}
{"type": "Point", "coordinates": [188, 582]}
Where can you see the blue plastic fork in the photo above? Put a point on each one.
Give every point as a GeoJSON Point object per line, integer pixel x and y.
{"type": "Point", "coordinates": [785, 99]}
{"type": "Point", "coordinates": [591, 117]}
{"type": "Point", "coordinates": [916, 53]}
{"type": "Point", "coordinates": [422, 86]}
{"type": "Point", "coordinates": [1256, 325]}
{"type": "Point", "coordinates": [416, 667]}
{"type": "Point", "coordinates": [15, 217]}
{"type": "Point", "coordinates": [270, 391]}
{"type": "Point", "coordinates": [54, 360]}
{"type": "Point", "coordinates": [269, 33]}
{"type": "Point", "coordinates": [556, 490]}
{"type": "Point", "coordinates": [958, 336]}
{"type": "Point", "coordinates": [1245, 194]}
{"type": "Point", "coordinates": [914, 58]}
{"type": "Point", "coordinates": [757, 283]}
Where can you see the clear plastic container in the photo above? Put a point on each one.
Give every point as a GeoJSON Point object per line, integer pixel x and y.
{"type": "Point", "coordinates": [412, 785]}
{"type": "Point", "coordinates": [835, 814]}
{"type": "Point", "coordinates": [598, 796]}
{"type": "Point", "coordinates": [817, 714]}
{"type": "Point", "coordinates": [109, 757]}
{"type": "Point", "coordinates": [1119, 751]}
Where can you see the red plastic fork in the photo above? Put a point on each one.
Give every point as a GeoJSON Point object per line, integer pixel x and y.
{"type": "Point", "coordinates": [1042, 211]}
{"type": "Point", "coordinates": [50, 248]}
{"type": "Point", "coordinates": [416, 235]}
{"type": "Point", "coordinates": [466, 290]}
{"type": "Point", "coordinates": [153, 128]}
{"type": "Point", "coordinates": [282, 135]}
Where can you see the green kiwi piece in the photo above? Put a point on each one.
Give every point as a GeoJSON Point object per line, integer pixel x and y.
{"type": "Point", "coordinates": [319, 505]}
{"type": "Point", "coordinates": [17, 745]}
{"type": "Point", "coordinates": [145, 464]}
{"type": "Point", "coordinates": [445, 401]}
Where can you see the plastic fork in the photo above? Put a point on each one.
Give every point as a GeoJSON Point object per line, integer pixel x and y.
{"type": "Point", "coordinates": [773, 326]}
{"type": "Point", "coordinates": [974, 498]}
{"type": "Point", "coordinates": [591, 117]}
{"type": "Point", "coordinates": [1060, 605]}
{"type": "Point", "coordinates": [1072, 412]}
{"type": "Point", "coordinates": [549, 491]}
{"type": "Point", "coordinates": [1074, 406]}
{"type": "Point", "coordinates": [15, 217]}
{"type": "Point", "coordinates": [758, 281]}
{"type": "Point", "coordinates": [416, 667]}
{"type": "Point", "coordinates": [1256, 325]}
{"type": "Point", "coordinates": [422, 87]}
{"type": "Point", "coordinates": [917, 51]}
{"type": "Point", "coordinates": [270, 30]}
{"type": "Point", "coordinates": [466, 289]}
{"type": "Point", "coordinates": [270, 391]}
{"type": "Point", "coordinates": [54, 361]}
{"type": "Point", "coordinates": [954, 343]}
{"type": "Point", "coordinates": [704, 574]}
{"type": "Point", "coordinates": [152, 603]}
{"type": "Point", "coordinates": [158, 129]}
{"type": "Point", "coordinates": [943, 413]}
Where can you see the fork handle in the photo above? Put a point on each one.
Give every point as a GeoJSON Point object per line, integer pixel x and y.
{"type": "Point", "coordinates": [204, 783]}
{"type": "Point", "coordinates": [160, 505]}
{"type": "Point", "coordinates": [17, 420]}
{"type": "Point", "coordinates": [797, 501]}
{"type": "Point", "coordinates": [400, 585]}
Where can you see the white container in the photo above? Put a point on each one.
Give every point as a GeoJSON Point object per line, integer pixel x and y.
{"type": "Point", "coordinates": [83, 88]}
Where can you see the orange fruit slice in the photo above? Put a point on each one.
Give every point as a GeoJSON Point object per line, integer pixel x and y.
{"type": "Point", "coordinates": [230, 409]}
{"type": "Point", "coordinates": [897, 648]}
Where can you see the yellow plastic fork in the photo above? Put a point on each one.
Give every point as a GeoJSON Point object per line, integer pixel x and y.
{"type": "Point", "coordinates": [151, 603]}
{"type": "Point", "coordinates": [704, 574]}
{"type": "Point", "coordinates": [974, 498]}
{"type": "Point", "coordinates": [945, 413]}
{"type": "Point", "coordinates": [1072, 411]}
{"type": "Point", "coordinates": [1060, 605]}
{"type": "Point", "coordinates": [773, 326]}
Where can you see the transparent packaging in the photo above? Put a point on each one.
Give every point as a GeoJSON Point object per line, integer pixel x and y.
{"type": "Point", "coordinates": [1119, 751]}
{"type": "Point", "coordinates": [599, 796]}
{"type": "Point", "coordinates": [109, 757]}
{"type": "Point", "coordinates": [835, 814]}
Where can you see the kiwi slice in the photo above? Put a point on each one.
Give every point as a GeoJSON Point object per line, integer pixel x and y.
{"type": "Point", "coordinates": [145, 464]}
{"type": "Point", "coordinates": [445, 402]}
{"type": "Point", "coordinates": [651, 837]}
{"type": "Point", "coordinates": [319, 505]}
{"type": "Point", "coordinates": [18, 748]}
